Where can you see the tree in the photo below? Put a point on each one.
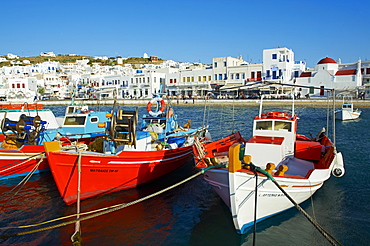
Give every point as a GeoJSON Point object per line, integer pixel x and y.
{"type": "Point", "coordinates": [41, 90]}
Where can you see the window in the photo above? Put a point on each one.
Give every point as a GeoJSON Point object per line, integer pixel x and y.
{"type": "Point", "coordinates": [232, 76]}
{"type": "Point", "coordinates": [170, 81]}
{"type": "Point", "coordinates": [367, 70]}
{"type": "Point", "coordinates": [274, 75]}
{"type": "Point", "coordinates": [237, 76]}
{"type": "Point", "coordinates": [215, 76]}
{"type": "Point", "coordinates": [225, 76]}
{"type": "Point", "coordinates": [209, 78]}
{"type": "Point", "coordinates": [283, 126]}
{"type": "Point", "coordinates": [225, 64]}
{"type": "Point", "coordinates": [259, 74]}
{"type": "Point", "coordinates": [80, 120]}
{"type": "Point", "coordinates": [264, 125]}
{"type": "Point", "coordinates": [220, 77]}
{"type": "Point", "coordinates": [215, 64]}
{"type": "Point", "coordinates": [94, 119]}
{"type": "Point", "coordinates": [252, 75]}
{"type": "Point", "coordinates": [174, 80]}
{"type": "Point", "coordinates": [274, 56]}
{"type": "Point", "coordinates": [296, 74]}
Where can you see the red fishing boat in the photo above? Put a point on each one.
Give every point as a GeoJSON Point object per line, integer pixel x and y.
{"type": "Point", "coordinates": [126, 157]}
{"type": "Point", "coordinates": [104, 173]}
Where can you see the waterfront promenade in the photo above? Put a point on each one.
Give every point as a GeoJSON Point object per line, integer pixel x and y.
{"type": "Point", "coordinates": [213, 102]}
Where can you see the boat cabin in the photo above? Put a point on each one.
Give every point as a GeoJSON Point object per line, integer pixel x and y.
{"type": "Point", "coordinates": [347, 106]}
{"type": "Point", "coordinates": [273, 133]}
{"type": "Point", "coordinates": [75, 109]}
{"type": "Point", "coordinates": [79, 121]}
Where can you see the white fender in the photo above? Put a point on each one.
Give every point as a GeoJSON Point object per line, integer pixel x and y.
{"type": "Point", "coordinates": [338, 168]}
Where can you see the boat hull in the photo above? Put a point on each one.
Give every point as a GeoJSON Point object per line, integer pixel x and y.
{"type": "Point", "coordinates": [347, 115]}
{"type": "Point", "coordinates": [270, 199]}
{"type": "Point", "coordinates": [236, 184]}
{"type": "Point", "coordinates": [102, 173]}
{"type": "Point", "coordinates": [20, 162]}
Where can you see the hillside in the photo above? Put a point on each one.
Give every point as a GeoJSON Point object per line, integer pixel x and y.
{"type": "Point", "coordinates": [71, 59]}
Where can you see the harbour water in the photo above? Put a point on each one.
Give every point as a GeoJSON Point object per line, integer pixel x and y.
{"type": "Point", "coordinates": [193, 214]}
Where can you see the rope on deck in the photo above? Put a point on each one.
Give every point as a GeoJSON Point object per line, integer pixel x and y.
{"type": "Point", "coordinates": [97, 212]}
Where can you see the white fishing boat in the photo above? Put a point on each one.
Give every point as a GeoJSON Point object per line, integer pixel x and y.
{"type": "Point", "coordinates": [248, 172]}
{"type": "Point", "coordinates": [347, 112]}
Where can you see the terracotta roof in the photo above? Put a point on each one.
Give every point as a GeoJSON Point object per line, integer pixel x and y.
{"type": "Point", "coordinates": [305, 74]}
{"type": "Point", "coordinates": [326, 60]}
{"type": "Point", "coordinates": [346, 72]}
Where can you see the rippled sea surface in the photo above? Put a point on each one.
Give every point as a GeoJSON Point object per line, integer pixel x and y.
{"type": "Point", "coordinates": [193, 214]}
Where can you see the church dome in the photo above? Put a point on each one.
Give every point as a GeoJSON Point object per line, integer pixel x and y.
{"type": "Point", "coordinates": [326, 60]}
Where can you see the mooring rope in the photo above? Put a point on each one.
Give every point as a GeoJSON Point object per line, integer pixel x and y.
{"type": "Point", "coordinates": [22, 182]}
{"type": "Point", "coordinates": [105, 211]}
{"type": "Point", "coordinates": [20, 162]}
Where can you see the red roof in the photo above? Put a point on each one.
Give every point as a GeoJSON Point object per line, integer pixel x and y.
{"type": "Point", "coordinates": [305, 74]}
{"type": "Point", "coordinates": [326, 60]}
{"type": "Point", "coordinates": [346, 72]}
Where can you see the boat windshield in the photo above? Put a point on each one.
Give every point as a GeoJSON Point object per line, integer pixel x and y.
{"type": "Point", "coordinates": [275, 125]}
{"type": "Point", "coordinates": [75, 120]}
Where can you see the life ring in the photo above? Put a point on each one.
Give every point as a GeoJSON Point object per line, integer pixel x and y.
{"type": "Point", "coordinates": [160, 110]}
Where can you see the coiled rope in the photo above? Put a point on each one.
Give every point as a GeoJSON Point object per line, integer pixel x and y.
{"type": "Point", "coordinates": [98, 212]}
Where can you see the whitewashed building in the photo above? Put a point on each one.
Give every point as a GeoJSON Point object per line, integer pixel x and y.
{"type": "Point", "coordinates": [279, 65]}
{"type": "Point", "coordinates": [329, 74]}
{"type": "Point", "coordinates": [20, 90]}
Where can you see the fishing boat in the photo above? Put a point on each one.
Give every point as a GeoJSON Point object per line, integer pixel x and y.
{"type": "Point", "coordinates": [25, 127]}
{"type": "Point", "coordinates": [347, 112]}
{"type": "Point", "coordinates": [244, 173]}
{"type": "Point", "coordinates": [127, 156]}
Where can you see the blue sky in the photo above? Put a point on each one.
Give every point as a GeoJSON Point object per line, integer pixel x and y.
{"type": "Point", "coordinates": [187, 31]}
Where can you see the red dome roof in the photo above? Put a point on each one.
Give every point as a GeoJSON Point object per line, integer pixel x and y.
{"type": "Point", "coordinates": [326, 60]}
